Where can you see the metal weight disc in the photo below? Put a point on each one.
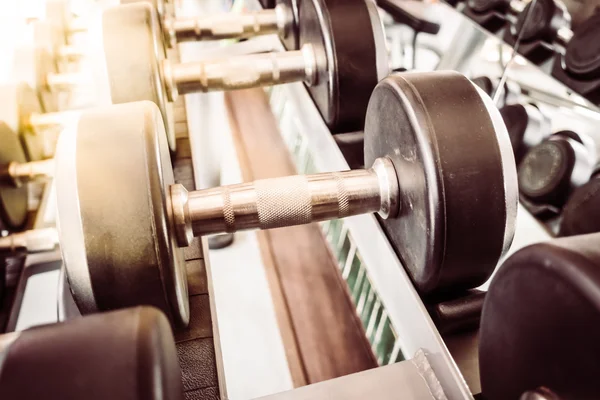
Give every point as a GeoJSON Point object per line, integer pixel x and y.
{"type": "Point", "coordinates": [134, 50]}
{"type": "Point", "coordinates": [13, 201]}
{"type": "Point", "coordinates": [112, 178]}
{"type": "Point", "coordinates": [456, 173]}
{"type": "Point", "coordinates": [582, 57]}
{"type": "Point", "coordinates": [541, 322]}
{"type": "Point", "coordinates": [351, 58]}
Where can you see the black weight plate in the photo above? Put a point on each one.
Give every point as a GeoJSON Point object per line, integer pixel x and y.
{"type": "Point", "coordinates": [539, 23]}
{"type": "Point", "coordinates": [483, 6]}
{"type": "Point", "coordinates": [515, 118]}
{"type": "Point", "coordinates": [456, 173]}
{"type": "Point", "coordinates": [541, 322]}
{"type": "Point", "coordinates": [342, 35]}
{"type": "Point", "coordinates": [13, 201]}
{"type": "Point", "coordinates": [134, 50]}
{"type": "Point", "coordinates": [582, 212]}
{"type": "Point", "coordinates": [545, 172]}
{"type": "Point", "coordinates": [582, 56]}
{"type": "Point", "coordinates": [112, 179]}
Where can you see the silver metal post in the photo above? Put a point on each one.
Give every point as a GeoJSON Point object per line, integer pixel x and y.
{"type": "Point", "coordinates": [34, 240]}
{"type": "Point", "coordinates": [287, 201]}
{"type": "Point", "coordinates": [241, 72]}
{"type": "Point", "coordinates": [229, 26]}
{"type": "Point", "coordinates": [64, 81]}
{"type": "Point", "coordinates": [52, 119]}
{"type": "Point", "coordinates": [20, 173]}
{"type": "Point", "coordinates": [70, 53]}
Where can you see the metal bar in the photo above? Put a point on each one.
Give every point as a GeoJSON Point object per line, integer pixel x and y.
{"type": "Point", "coordinates": [241, 72]}
{"type": "Point", "coordinates": [227, 26]}
{"type": "Point", "coordinates": [287, 201]}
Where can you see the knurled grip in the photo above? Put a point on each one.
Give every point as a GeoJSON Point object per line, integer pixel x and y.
{"type": "Point", "coordinates": [283, 201]}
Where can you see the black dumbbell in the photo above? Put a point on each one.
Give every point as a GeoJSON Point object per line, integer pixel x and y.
{"type": "Point", "coordinates": [527, 126]}
{"type": "Point", "coordinates": [579, 67]}
{"type": "Point", "coordinates": [581, 214]}
{"type": "Point", "coordinates": [540, 28]}
{"type": "Point", "coordinates": [122, 355]}
{"type": "Point", "coordinates": [493, 15]}
{"type": "Point", "coordinates": [541, 322]}
{"type": "Point", "coordinates": [550, 171]}
{"type": "Point", "coordinates": [423, 132]}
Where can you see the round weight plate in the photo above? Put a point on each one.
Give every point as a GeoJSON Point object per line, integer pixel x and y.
{"type": "Point", "coordinates": [582, 56]}
{"type": "Point", "coordinates": [112, 178]}
{"type": "Point", "coordinates": [515, 118]}
{"type": "Point", "coordinates": [541, 322]}
{"type": "Point", "coordinates": [542, 23]}
{"type": "Point", "coordinates": [134, 50]}
{"type": "Point", "coordinates": [341, 33]}
{"type": "Point", "coordinates": [456, 173]}
{"type": "Point", "coordinates": [483, 6]}
{"type": "Point", "coordinates": [13, 201]}
{"type": "Point", "coordinates": [544, 173]}
{"type": "Point", "coordinates": [582, 212]}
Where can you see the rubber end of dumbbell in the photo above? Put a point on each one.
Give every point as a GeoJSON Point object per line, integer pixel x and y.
{"type": "Point", "coordinates": [541, 322]}
{"type": "Point", "coordinates": [544, 172]}
{"type": "Point", "coordinates": [581, 214]}
{"type": "Point", "coordinates": [582, 56]}
{"type": "Point", "coordinates": [515, 118]}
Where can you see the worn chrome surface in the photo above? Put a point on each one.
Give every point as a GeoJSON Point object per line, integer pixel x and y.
{"type": "Point", "coordinates": [285, 201]}
{"type": "Point", "coordinates": [229, 26]}
{"type": "Point", "coordinates": [240, 72]}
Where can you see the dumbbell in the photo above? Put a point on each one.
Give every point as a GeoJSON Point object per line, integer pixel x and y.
{"type": "Point", "coordinates": [550, 171]}
{"type": "Point", "coordinates": [442, 179]}
{"type": "Point", "coordinates": [581, 214]}
{"type": "Point", "coordinates": [548, 25]}
{"type": "Point", "coordinates": [122, 355]}
{"type": "Point", "coordinates": [540, 322]}
{"type": "Point", "coordinates": [338, 61]}
{"type": "Point", "coordinates": [579, 67]}
{"type": "Point", "coordinates": [493, 14]}
{"type": "Point", "coordinates": [280, 19]}
{"type": "Point", "coordinates": [527, 126]}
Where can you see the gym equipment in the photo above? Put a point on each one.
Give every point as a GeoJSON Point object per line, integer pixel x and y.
{"type": "Point", "coordinates": [539, 326]}
{"type": "Point", "coordinates": [122, 355]}
{"type": "Point", "coordinates": [31, 241]}
{"type": "Point", "coordinates": [527, 126]}
{"type": "Point", "coordinates": [548, 24]}
{"type": "Point", "coordinates": [579, 67]}
{"type": "Point", "coordinates": [493, 15]}
{"type": "Point", "coordinates": [124, 246]}
{"type": "Point", "coordinates": [581, 214]}
{"type": "Point", "coordinates": [550, 171]}
{"type": "Point", "coordinates": [330, 35]}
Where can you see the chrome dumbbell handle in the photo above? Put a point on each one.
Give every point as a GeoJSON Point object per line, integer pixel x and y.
{"type": "Point", "coordinates": [33, 240]}
{"type": "Point", "coordinates": [241, 72]}
{"type": "Point", "coordinates": [287, 201]}
{"type": "Point", "coordinates": [19, 173]}
{"type": "Point", "coordinates": [229, 26]}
